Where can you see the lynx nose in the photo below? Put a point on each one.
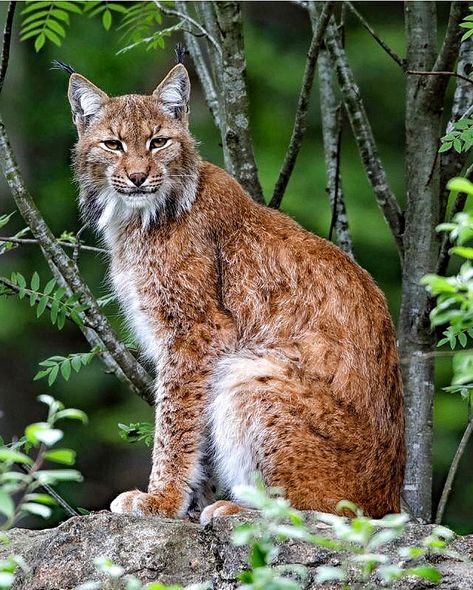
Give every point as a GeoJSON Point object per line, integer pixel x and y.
{"type": "Point", "coordinates": [137, 178]}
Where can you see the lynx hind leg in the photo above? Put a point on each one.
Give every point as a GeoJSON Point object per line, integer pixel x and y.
{"type": "Point", "coordinates": [265, 419]}
{"type": "Point", "coordinates": [236, 430]}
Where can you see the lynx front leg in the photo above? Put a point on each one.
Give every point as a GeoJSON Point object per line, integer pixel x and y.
{"type": "Point", "coordinates": [180, 415]}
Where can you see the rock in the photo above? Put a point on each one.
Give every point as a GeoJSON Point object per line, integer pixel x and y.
{"type": "Point", "coordinates": [182, 552]}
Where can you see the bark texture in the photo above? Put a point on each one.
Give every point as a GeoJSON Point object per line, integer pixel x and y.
{"type": "Point", "coordinates": [180, 552]}
{"type": "Point", "coordinates": [421, 247]}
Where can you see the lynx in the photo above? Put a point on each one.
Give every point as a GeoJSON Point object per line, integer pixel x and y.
{"type": "Point", "coordinates": [274, 352]}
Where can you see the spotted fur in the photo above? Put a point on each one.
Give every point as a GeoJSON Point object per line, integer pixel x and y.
{"type": "Point", "coordinates": [274, 351]}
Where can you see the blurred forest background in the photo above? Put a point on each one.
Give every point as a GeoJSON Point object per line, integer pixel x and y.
{"type": "Point", "coordinates": [37, 115]}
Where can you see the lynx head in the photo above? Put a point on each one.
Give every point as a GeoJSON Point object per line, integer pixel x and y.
{"type": "Point", "coordinates": [135, 158]}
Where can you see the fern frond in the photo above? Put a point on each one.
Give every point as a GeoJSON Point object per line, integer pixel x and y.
{"type": "Point", "coordinates": [46, 21]}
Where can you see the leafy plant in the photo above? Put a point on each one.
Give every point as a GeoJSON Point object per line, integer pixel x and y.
{"type": "Point", "coordinates": [137, 432]}
{"type": "Point", "coordinates": [46, 21]}
{"type": "Point", "coordinates": [461, 135]}
{"type": "Point", "coordinates": [64, 365]}
{"type": "Point", "coordinates": [359, 542]}
{"type": "Point", "coordinates": [22, 476]}
{"type": "Point", "coordinates": [105, 10]}
{"type": "Point", "coordinates": [60, 305]}
{"type": "Point", "coordinates": [467, 24]}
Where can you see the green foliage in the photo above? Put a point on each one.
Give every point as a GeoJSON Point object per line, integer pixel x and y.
{"type": "Point", "coordinates": [19, 494]}
{"type": "Point", "coordinates": [105, 10]}
{"type": "Point", "coordinates": [454, 296]}
{"type": "Point", "coordinates": [460, 137]}
{"type": "Point", "coordinates": [64, 365]}
{"type": "Point", "coordinates": [60, 306]}
{"type": "Point", "coordinates": [358, 541]}
{"type": "Point", "coordinates": [139, 21]}
{"type": "Point", "coordinates": [46, 21]}
{"type": "Point", "coordinates": [137, 432]}
{"type": "Point", "coordinates": [467, 24]}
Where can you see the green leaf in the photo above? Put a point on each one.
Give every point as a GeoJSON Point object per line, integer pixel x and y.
{"type": "Point", "coordinates": [66, 370]}
{"type": "Point", "coordinates": [42, 432]}
{"type": "Point", "coordinates": [54, 311]}
{"type": "Point", "coordinates": [7, 506]}
{"type": "Point", "coordinates": [52, 37]}
{"type": "Point", "coordinates": [51, 476]}
{"type": "Point", "coordinates": [41, 499]}
{"type": "Point", "coordinates": [460, 185]}
{"type": "Point", "coordinates": [76, 363]}
{"type": "Point", "coordinates": [63, 456]}
{"type": "Point", "coordinates": [427, 572]}
{"type": "Point", "coordinates": [49, 286]}
{"type": "Point", "coordinates": [43, 302]}
{"type": "Point", "coordinates": [107, 20]}
{"type": "Point", "coordinates": [36, 509]}
{"type": "Point", "coordinates": [11, 456]}
{"type": "Point", "coordinates": [445, 146]}
{"type": "Point", "coordinates": [39, 43]}
{"type": "Point", "coordinates": [56, 27]}
{"type": "Point", "coordinates": [462, 251]}
{"type": "Point", "coordinates": [70, 6]}
{"type": "Point", "coordinates": [72, 414]}
{"type": "Point", "coordinates": [467, 35]}
{"type": "Point", "coordinates": [36, 6]}
{"type": "Point", "coordinates": [53, 373]}
{"type": "Point", "coordinates": [61, 15]}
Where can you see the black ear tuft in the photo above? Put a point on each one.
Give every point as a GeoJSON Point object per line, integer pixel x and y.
{"type": "Point", "coordinates": [180, 52]}
{"type": "Point", "coordinates": [60, 65]}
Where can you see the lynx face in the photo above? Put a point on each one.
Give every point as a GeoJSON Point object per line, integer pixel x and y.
{"type": "Point", "coordinates": [135, 157]}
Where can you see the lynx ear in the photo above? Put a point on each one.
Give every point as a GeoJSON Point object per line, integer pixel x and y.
{"type": "Point", "coordinates": [86, 100]}
{"type": "Point", "coordinates": [174, 91]}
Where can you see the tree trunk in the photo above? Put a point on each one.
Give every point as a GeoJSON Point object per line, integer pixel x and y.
{"type": "Point", "coordinates": [421, 245]}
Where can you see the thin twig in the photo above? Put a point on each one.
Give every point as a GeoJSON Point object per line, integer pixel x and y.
{"type": "Point", "coordinates": [78, 245]}
{"type": "Point", "coordinates": [420, 73]}
{"type": "Point", "coordinates": [448, 53]}
{"type": "Point", "coordinates": [447, 488]}
{"type": "Point", "coordinates": [362, 132]}
{"type": "Point", "coordinates": [68, 509]}
{"type": "Point", "coordinates": [299, 127]}
{"type": "Point", "coordinates": [184, 16]}
{"type": "Point", "coordinates": [399, 60]}
{"type": "Point", "coordinates": [202, 70]}
{"type": "Point", "coordinates": [20, 241]}
{"type": "Point", "coordinates": [446, 244]}
{"type": "Point", "coordinates": [6, 42]}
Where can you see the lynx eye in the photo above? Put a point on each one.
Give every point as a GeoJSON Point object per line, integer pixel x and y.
{"type": "Point", "coordinates": [158, 142]}
{"type": "Point", "coordinates": [113, 144]}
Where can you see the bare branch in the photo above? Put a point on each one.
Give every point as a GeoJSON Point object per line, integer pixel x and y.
{"type": "Point", "coordinates": [201, 69]}
{"type": "Point", "coordinates": [6, 42]}
{"type": "Point", "coordinates": [331, 131]}
{"type": "Point", "coordinates": [185, 17]}
{"type": "Point", "coordinates": [21, 241]}
{"type": "Point", "coordinates": [420, 73]}
{"type": "Point", "coordinates": [299, 127]}
{"type": "Point", "coordinates": [449, 51]}
{"type": "Point", "coordinates": [447, 488]}
{"type": "Point", "coordinates": [399, 60]}
{"type": "Point", "coordinates": [235, 118]}
{"type": "Point", "coordinates": [362, 132]}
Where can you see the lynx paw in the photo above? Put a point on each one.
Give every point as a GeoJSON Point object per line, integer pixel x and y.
{"type": "Point", "coordinates": [141, 504]}
{"type": "Point", "coordinates": [218, 509]}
